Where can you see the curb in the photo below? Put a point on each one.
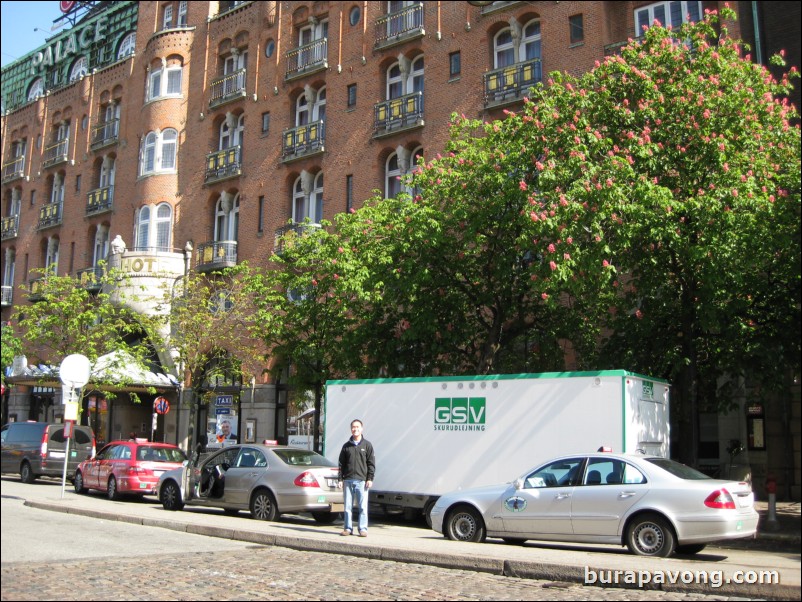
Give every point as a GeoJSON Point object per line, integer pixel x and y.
{"type": "Point", "coordinates": [508, 568]}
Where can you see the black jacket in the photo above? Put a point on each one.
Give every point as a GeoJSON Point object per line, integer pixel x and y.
{"type": "Point", "coordinates": [357, 461]}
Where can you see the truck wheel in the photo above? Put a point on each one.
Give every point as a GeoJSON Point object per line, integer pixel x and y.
{"type": "Point", "coordinates": [171, 496]}
{"type": "Point", "coordinates": [650, 535]}
{"type": "Point", "coordinates": [263, 506]}
{"type": "Point", "coordinates": [26, 474]}
{"type": "Point", "coordinates": [465, 524]}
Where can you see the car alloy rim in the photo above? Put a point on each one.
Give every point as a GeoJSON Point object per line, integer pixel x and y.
{"type": "Point", "coordinates": [169, 495]}
{"type": "Point", "coordinates": [649, 538]}
{"type": "Point", "coordinates": [464, 526]}
{"type": "Point", "coordinates": [262, 505]}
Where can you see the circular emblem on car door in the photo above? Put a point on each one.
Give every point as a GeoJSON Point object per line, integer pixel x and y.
{"type": "Point", "coordinates": [515, 504]}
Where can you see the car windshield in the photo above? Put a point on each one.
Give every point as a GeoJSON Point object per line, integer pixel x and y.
{"type": "Point", "coordinates": [302, 457]}
{"type": "Point", "coordinates": [678, 470]}
{"type": "Point", "coordinates": [160, 454]}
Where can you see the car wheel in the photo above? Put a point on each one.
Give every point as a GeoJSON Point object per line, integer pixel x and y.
{"type": "Point", "coordinates": [263, 506]}
{"type": "Point", "coordinates": [78, 482]}
{"type": "Point", "coordinates": [324, 517]}
{"type": "Point", "coordinates": [111, 489]}
{"type": "Point", "coordinates": [650, 535]}
{"type": "Point", "coordinates": [691, 548]}
{"type": "Point", "coordinates": [465, 524]}
{"type": "Point", "coordinates": [171, 496]}
{"type": "Point", "coordinates": [26, 474]}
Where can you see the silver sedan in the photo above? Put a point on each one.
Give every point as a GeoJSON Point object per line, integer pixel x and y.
{"type": "Point", "coordinates": [653, 505]}
{"type": "Point", "coordinates": [266, 480]}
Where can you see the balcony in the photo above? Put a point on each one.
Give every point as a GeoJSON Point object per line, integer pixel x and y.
{"type": "Point", "coordinates": [398, 114]}
{"type": "Point", "coordinates": [13, 170]}
{"type": "Point", "coordinates": [7, 296]}
{"type": "Point", "coordinates": [36, 289]}
{"type": "Point", "coordinates": [50, 215]}
{"type": "Point", "coordinates": [91, 278]}
{"type": "Point", "coordinates": [10, 227]}
{"type": "Point", "coordinates": [303, 141]}
{"type": "Point", "coordinates": [56, 153]}
{"type": "Point", "coordinates": [400, 26]}
{"type": "Point", "coordinates": [105, 134]}
{"type": "Point", "coordinates": [510, 84]}
{"type": "Point", "coordinates": [283, 242]}
{"type": "Point", "coordinates": [99, 200]}
{"type": "Point", "coordinates": [213, 256]}
{"type": "Point", "coordinates": [223, 164]}
{"type": "Point", "coordinates": [227, 88]}
{"type": "Point", "coordinates": [307, 59]}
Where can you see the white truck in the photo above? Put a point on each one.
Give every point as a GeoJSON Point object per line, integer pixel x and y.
{"type": "Point", "coordinates": [434, 435]}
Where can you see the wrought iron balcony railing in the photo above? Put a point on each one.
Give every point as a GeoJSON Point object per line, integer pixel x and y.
{"type": "Point", "coordinates": [399, 26]}
{"type": "Point", "coordinates": [223, 164]}
{"type": "Point", "coordinates": [307, 58]}
{"type": "Point", "coordinates": [10, 227]}
{"type": "Point", "coordinates": [216, 255]}
{"type": "Point", "coordinates": [511, 83]}
{"type": "Point", "coordinates": [36, 288]}
{"type": "Point", "coordinates": [227, 88]}
{"type": "Point", "coordinates": [99, 200]}
{"type": "Point", "coordinates": [105, 134]}
{"type": "Point", "coordinates": [282, 241]}
{"type": "Point", "coordinates": [91, 278]}
{"type": "Point", "coordinates": [50, 215]}
{"type": "Point", "coordinates": [13, 169]}
{"type": "Point", "coordinates": [304, 140]}
{"type": "Point", "coordinates": [56, 153]}
{"type": "Point", "coordinates": [398, 114]}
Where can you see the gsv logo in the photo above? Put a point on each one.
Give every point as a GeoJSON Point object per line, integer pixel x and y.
{"type": "Point", "coordinates": [459, 410]}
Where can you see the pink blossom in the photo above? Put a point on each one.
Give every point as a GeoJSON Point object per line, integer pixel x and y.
{"type": "Point", "coordinates": [522, 185]}
{"type": "Point", "coordinates": [569, 240]}
{"type": "Point", "coordinates": [551, 248]}
{"type": "Point", "coordinates": [544, 296]}
{"type": "Point", "coordinates": [566, 256]}
{"type": "Point", "coordinates": [552, 265]}
{"type": "Point", "coordinates": [639, 314]}
{"type": "Point", "coordinates": [606, 263]}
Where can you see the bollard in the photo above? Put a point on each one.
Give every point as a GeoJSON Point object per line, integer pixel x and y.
{"type": "Point", "coordinates": [771, 489]}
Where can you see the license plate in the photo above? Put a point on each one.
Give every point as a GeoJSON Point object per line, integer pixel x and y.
{"type": "Point", "coordinates": [332, 483]}
{"type": "Point", "coordinates": [144, 486]}
{"type": "Point", "coordinates": [57, 454]}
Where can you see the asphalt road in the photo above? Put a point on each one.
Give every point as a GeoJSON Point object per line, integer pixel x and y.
{"type": "Point", "coordinates": [114, 556]}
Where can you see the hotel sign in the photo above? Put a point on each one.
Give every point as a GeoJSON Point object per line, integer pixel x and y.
{"type": "Point", "coordinates": [74, 43]}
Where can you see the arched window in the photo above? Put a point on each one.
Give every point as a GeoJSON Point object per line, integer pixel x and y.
{"type": "Point", "coordinates": [37, 89]}
{"type": "Point", "coordinates": [164, 82]}
{"type": "Point", "coordinates": [107, 171]}
{"type": "Point", "coordinates": [127, 46]}
{"type": "Point", "coordinates": [226, 217]}
{"type": "Point", "coordinates": [307, 198]}
{"type": "Point", "coordinates": [398, 165]}
{"type": "Point", "coordinates": [229, 136]}
{"type": "Point", "coordinates": [79, 69]}
{"type": "Point", "coordinates": [154, 228]}
{"type": "Point", "coordinates": [8, 269]}
{"type": "Point", "coordinates": [101, 247]}
{"type": "Point", "coordinates": [57, 191]}
{"type": "Point", "coordinates": [158, 152]}
{"type": "Point", "coordinates": [506, 51]}
{"type": "Point", "coordinates": [530, 42]}
{"type": "Point", "coordinates": [51, 255]}
{"type": "Point", "coordinates": [400, 83]}
{"type": "Point", "coordinates": [305, 112]}
{"type": "Point", "coordinates": [503, 50]}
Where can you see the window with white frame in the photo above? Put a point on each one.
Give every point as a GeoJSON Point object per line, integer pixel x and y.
{"type": "Point", "coordinates": [401, 82]}
{"type": "Point", "coordinates": [37, 89]}
{"type": "Point", "coordinates": [127, 46]}
{"type": "Point", "coordinates": [307, 198]}
{"type": "Point", "coordinates": [304, 113]}
{"type": "Point", "coordinates": [107, 171]}
{"type": "Point", "coordinates": [226, 217]}
{"type": "Point", "coordinates": [399, 164]}
{"type": "Point", "coordinates": [158, 152]}
{"type": "Point", "coordinates": [101, 247]}
{"type": "Point", "coordinates": [154, 228]}
{"type": "Point", "coordinates": [230, 134]}
{"type": "Point", "coordinates": [51, 255]}
{"type": "Point", "coordinates": [57, 190]}
{"type": "Point", "coordinates": [505, 50]}
{"type": "Point", "coordinates": [667, 13]}
{"type": "Point", "coordinates": [15, 206]}
{"type": "Point", "coordinates": [164, 82]}
{"type": "Point", "coordinates": [182, 14]}
{"type": "Point", "coordinates": [79, 68]}
{"type": "Point", "coordinates": [8, 267]}
{"type": "Point", "coordinates": [167, 17]}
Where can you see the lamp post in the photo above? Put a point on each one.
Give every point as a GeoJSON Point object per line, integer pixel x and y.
{"type": "Point", "coordinates": [74, 374]}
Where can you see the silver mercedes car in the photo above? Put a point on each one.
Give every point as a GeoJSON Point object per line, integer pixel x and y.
{"type": "Point", "coordinates": [266, 480]}
{"type": "Point", "coordinates": [653, 505]}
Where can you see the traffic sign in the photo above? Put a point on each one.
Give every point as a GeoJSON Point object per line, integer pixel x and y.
{"type": "Point", "coordinates": [161, 405]}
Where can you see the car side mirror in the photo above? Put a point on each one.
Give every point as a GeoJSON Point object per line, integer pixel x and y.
{"type": "Point", "coordinates": [519, 484]}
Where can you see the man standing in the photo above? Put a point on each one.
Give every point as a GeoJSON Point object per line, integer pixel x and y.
{"type": "Point", "coordinates": [357, 468]}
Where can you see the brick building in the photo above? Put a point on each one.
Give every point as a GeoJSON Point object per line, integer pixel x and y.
{"type": "Point", "coordinates": [147, 126]}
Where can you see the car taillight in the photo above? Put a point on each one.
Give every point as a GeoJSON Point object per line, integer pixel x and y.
{"type": "Point", "coordinates": [94, 447]}
{"type": "Point", "coordinates": [306, 479]}
{"type": "Point", "coordinates": [137, 470]}
{"type": "Point", "coordinates": [720, 499]}
{"type": "Point", "coordinates": [43, 448]}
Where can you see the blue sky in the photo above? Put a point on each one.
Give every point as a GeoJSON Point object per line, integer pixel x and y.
{"type": "Point", "coordinates": [19, 21]}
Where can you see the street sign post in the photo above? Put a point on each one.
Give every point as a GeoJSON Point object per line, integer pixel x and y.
{"type": "Point", "coordinates": [74, 374]}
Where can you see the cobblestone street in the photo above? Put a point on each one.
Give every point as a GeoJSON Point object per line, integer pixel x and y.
{"type": "Point", "coordinates": [272, 573]}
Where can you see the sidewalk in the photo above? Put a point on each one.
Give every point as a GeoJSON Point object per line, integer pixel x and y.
{"type": "Point", "coordinates": [787, 526]}
{"type": "Point", "coordinates": [552, 561]}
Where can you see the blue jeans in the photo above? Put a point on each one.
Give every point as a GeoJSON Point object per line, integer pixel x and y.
{"type": "Point", "coordinates": [353, 488]}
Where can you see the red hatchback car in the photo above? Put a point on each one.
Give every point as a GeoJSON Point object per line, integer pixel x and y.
{"type": "Point", "coordinates": [127, 467]}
